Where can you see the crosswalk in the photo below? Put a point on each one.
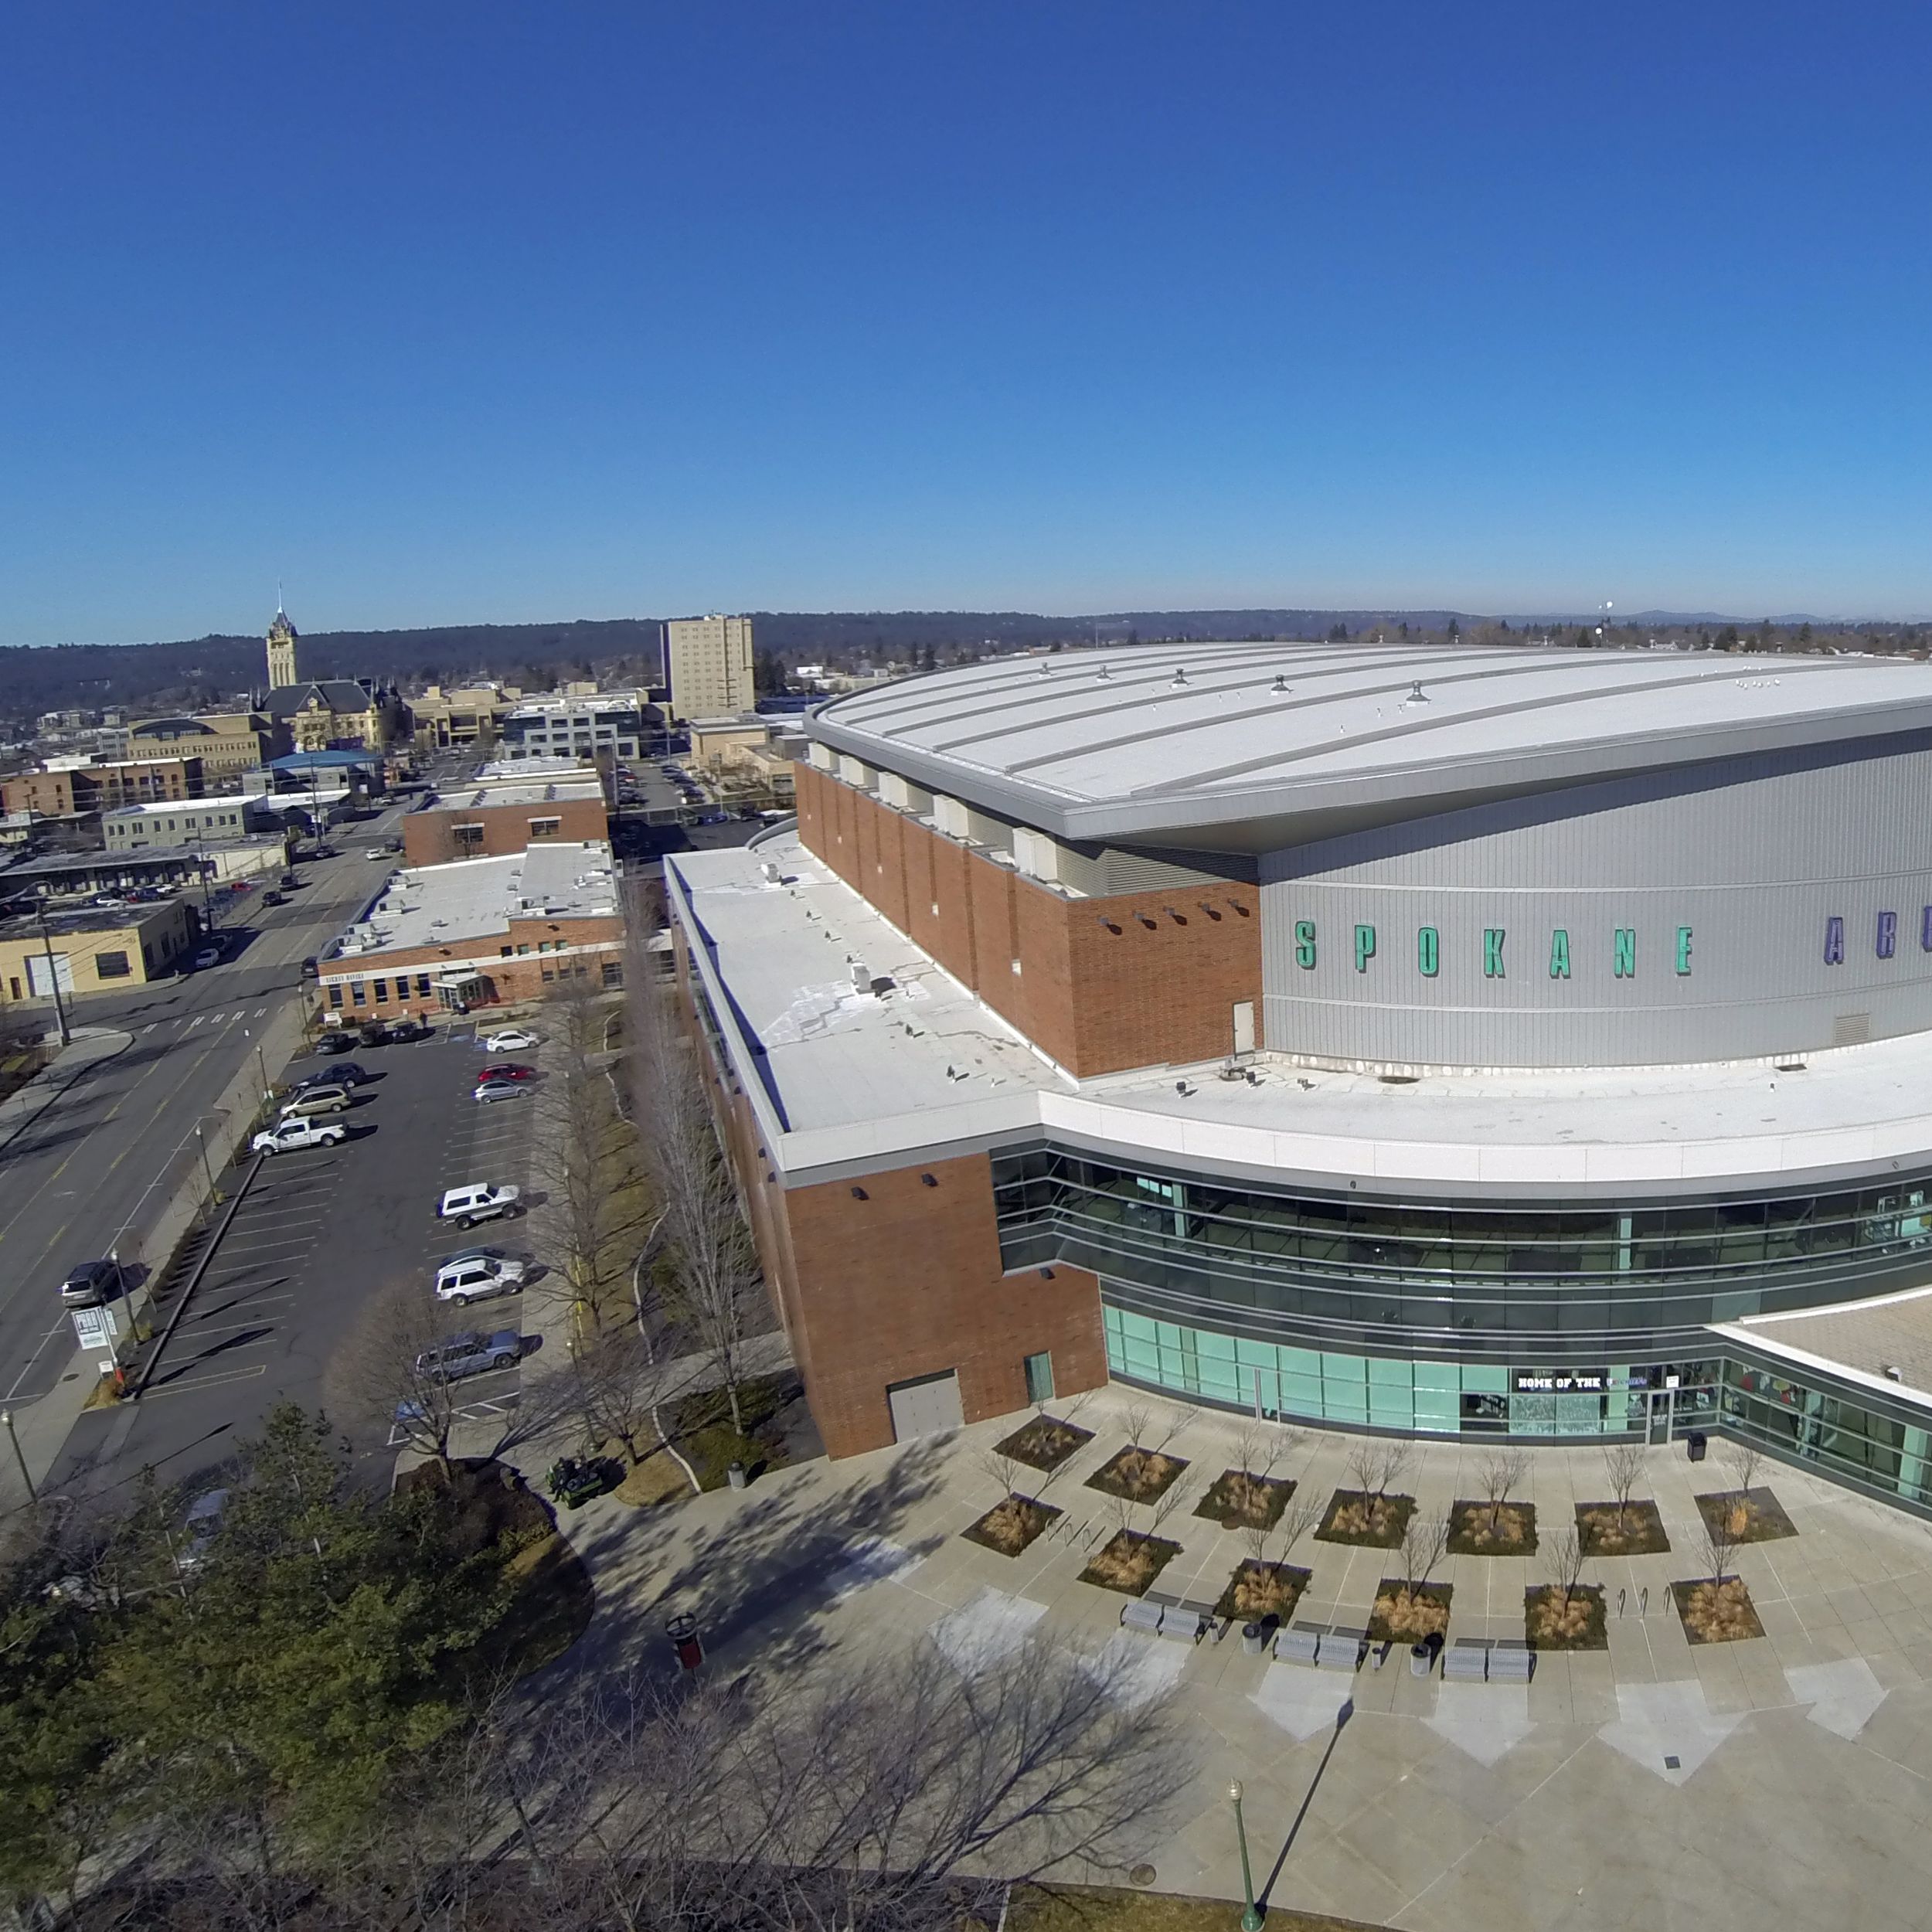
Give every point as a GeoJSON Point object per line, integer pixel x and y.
{"type": "Point", "coordinates": [213, 1021]}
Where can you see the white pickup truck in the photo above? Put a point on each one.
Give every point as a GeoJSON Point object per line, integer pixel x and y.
{"type": "Point", "coordinates": [298, 1131]}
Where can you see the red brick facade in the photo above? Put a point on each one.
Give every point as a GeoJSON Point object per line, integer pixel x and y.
{"type": "Point", "coordinates": [525, 964]}
{"type": "Point", "coordinates": [494, 831]}
{"type": "Point", "coordinates": [1103, 985]}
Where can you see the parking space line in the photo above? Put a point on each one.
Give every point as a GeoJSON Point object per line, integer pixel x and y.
{"type": "Point", "coordinates": [155, 1389]}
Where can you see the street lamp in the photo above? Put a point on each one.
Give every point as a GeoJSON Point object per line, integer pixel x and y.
{"type": "Point", "coordinates": [260, 1064]}
{"type": "Point", "coordinates": [19, 1454]}
{"type": "Point", "coordinates": [1251, 1918]}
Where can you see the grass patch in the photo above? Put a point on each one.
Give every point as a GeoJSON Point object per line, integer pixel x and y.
{"type": "Point", "coordinates": [1753, 1515]}
{"type": "Point", "coordinates": [1551, 1622]}
{"type": "Point", "coordinates": [1367, 1521]}
{"type": "Point", "coordinates": [1405, 1616]}
{"type": "Point", "coordinates": [1084, 1908]}
{"type": "Point", "coordinates": [1044, 1444]}
{"type": "Point", "coordinates": [656, 1479]}
{"type": "Point", "coordinates": [1475, 1530]}
{"type": "Point", "coordinates": [1238, 1500]}
{"type": "Point", "coordinates": [1716, 1612]}
{"type": "Point", "coordinates": [1257, 1590]}
{"type": "Point", "coordinates": [1130, 1562]}
{"type": "Point", "coordinates": [1010, 1524]}
{"type": "Point", "coordinates": [1138, 1475]}
{"type": "Point", "coordinates": [1638, 1533]}
{"type": "Point", "coordinates": [701, 1426]}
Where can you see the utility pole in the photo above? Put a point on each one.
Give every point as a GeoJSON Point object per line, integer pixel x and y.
{"type": "Point", "coordinates": [53, 977]}
{"type": "Point", "coordinates": [19, 1454]}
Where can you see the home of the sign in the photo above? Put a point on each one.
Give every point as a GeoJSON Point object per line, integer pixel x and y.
{"type": "Point", "coordinates": [1622, 950]}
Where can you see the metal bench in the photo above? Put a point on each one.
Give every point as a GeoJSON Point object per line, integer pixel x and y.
{"type": "Point", "coordinates": [1466, 1660]}
{"type": "Point", "coordinates": [1212, 1623]}
{"type": "Point", "coordinates": [1300, 1645]}
{"type": "Point", "coordinates": [1342, 1648]}
{"type": "Point", "coordinates": [1137, 1614]}
{"type": "Point", "coordinates": [1511, 1661]}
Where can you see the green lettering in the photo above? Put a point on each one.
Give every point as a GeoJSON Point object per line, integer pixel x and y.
{"type": "Point", "coordinates": [1683, 949]}
{"type": "Point", "coordinates": [1626, 952]}
{"type": "Point", "coordinates": [1365, 948]}
{"type": "Point", "coordinates": [1559, 954]}
{"type": "Point", "coordinates": [1492, 939]}
{"type": "Point", "coordinates": [1304, 942]}
{"type": "Point", "coordinates": [1428, 951]}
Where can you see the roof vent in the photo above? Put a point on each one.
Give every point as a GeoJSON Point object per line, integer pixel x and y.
{"type": "Point", "coordinates": [1417, 694]}
{"type": "Point", "coordinates": [1103, 673]}
{"type": "Point", "coordinates": [1179, 677]}
{"type": "Point", "coordinates": [1893, 1373]}
{"type": "Point", "coordinates": [1046, 669]}
{"type": "Point", "coordinates": [1281, 682]}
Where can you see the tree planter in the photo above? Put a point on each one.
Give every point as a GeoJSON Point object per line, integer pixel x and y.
{"type": "Point", "coordinates": [1716, 1612]}
{"type": "Point", "coordinates": [1044, 1444]}
{"type": "Point", "coordinates": [1130, 1562]}
{"type": "Point", "coordinates": [1401, 1615]}
{"type": "Point", "coordinates": [1640, 1533]}
{"type": "Point", "coordinates": [1367, 1521]}
{"type": "Point", "coordinates": [1553, 1620]}
{"type": "Point", "coordinates": [1010, 1524]}
{"type": "Point", "coordinates": [1509, 1530]}
{"type": "Point", "coordinates": [1754, 1515]}
{"type": "Point", "coordinates": [1138, 1475]}
{"type": "Point", "coordinates": [1237, 1500]}
{"type": "Point", "coordinates": [1257, 1590]}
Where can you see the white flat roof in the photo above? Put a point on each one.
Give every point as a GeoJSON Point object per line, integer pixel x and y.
{"type": "Point", "coordinates": [539, 791]}
{"type": "Point", "coordinates": [530, 771]}
{"type": "Point", "coordinates": [471, 898]}
{"type": "Point", "coordinates": [849, 1076]}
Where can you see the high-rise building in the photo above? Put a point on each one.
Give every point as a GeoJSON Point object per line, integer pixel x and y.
{"type": "Point", "coordinates": [709, 661]}
{"type": "Point", "coordinates": [281, 651]}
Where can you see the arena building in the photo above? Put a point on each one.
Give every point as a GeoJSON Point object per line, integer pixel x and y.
{"type": "Point", "coordinates": [1451, 1042]}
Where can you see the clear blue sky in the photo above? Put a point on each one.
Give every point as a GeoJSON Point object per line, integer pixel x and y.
{"type": "Point", "coordinates": [470, 312]}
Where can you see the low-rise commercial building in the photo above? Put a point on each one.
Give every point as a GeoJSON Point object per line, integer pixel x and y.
{"type": "Point", "coordinates": [91, 950]}
{"type": "Point", "coordinates": [607, 723]}
{"type": "Point", "coordinates": [468, 714]}
{"type": "Point", "coordinates": [68, 788]}
{"type": "Point", "coordinates": [191, 821]}
{"type": "Point", "coordinates": [232, 745]}
{"type": "Point", "coordinates": [500, 816]}
{"type": "Point", "coordinates": [487, 932]}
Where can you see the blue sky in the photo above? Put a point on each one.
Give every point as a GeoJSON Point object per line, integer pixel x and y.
{"type": "Point", "coordinates": [475, 312]}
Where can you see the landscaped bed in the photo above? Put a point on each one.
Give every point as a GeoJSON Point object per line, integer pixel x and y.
{"type": "Point", "coordinates": [1368, 1521]}
{"type": "Point", "coordinates": [1138, 1475]}
{"type": "Point", "coordinates": [1478, 1529]}
{"type": "Point", "coordinates": [1557, 1620]}
{"type": "Point", "coordinates": [1403, 1616]}
{"type": "Point", "coordinates": [1716, 1612]}
{"type": "Point", "coordinates": [1043, 1443]}
{"type": "Point", "coordinates": [1637, 1530]}
{"type": "Point", "coordinates": [1238, 1500]}
{"type": "Point", "coordinates": [1010, 1524]}
{"type": "Point", "coordinates": [1749, 1516]}
{"type": "Point", "coordinates": [1257, 1590]}
{"type": "Point", "coordinates": [1130, 1562]}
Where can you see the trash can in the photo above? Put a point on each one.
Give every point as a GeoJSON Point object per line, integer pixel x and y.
{"type": "Point", "coordinates": [1421, 1658]}
{"type": "Point", "coordinates": [735, 1475]}
{"type": "Point", "coordinates": [1694, 1445]}
{"type": "Point", "coordinates": [683, 1633]}
{"type": "Point", "coordinates": [1251, 1640]}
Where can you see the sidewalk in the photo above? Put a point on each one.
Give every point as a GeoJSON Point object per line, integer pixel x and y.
{"type": "Point", "coordinates": [87, 1047]}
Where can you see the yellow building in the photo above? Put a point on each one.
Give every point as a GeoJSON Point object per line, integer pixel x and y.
{"type": "Point", "coordinates": [232, 746]}
{"type": "Point", "coordinates": [326, 714]}
{"type": "Point", "coordinates": [94, 950]}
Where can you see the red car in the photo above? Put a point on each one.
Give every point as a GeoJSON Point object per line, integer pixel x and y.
{"type": "Point", "coordinates": [508, 1070]}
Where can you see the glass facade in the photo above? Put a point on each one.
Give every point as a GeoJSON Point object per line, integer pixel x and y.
{"type": "Point", "coordinates": [1541, 1282]}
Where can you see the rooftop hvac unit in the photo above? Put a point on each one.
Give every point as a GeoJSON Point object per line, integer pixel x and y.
{"type": "Point", "coordinates": [770, 872]}
{"type": "Point", "coordinates": [861, 977]}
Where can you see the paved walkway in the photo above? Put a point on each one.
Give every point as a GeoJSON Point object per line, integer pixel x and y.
{"type": "Point", "coordinates": [87, 1046]}
{"type": "Point", "coordinates": [1785, 1780]}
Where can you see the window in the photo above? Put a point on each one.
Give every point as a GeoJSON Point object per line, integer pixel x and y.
{"type": "Point", "coordinates": [335, 996]}
{"type": "Point", "coordinates": [111, 966]}
{"type": "Point", "coordinates": [525, 948]}
{"type": "Point", "coordinates": [382, 991]}
{"type": "Point", "coordinates": [612, 972]}
{"type": "Point", "coordinates": [548, 976]}
{"type": "Point", "coordinates": [358, 993]}
{"type": "Point", "coordinates": [545, 828]}
{"type": "Point", "coordinates": [504, 951]}
{"type": "Point", "coordinates": [422, 985]}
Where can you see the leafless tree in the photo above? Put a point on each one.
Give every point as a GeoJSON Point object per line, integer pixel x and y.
{"type": "Point", "coordinates": [1375, 1463]}
{"type": "Point", "coordinates": [1747, 1459]}
{"type": "Point", "coordinates": [1499, 1473]}
{"type": "Point", "coordinates": [1424, 1541]}
{"type": "Point", "coordinates": [1002, 1468]}
{"type": "Point", "coordinates": [1137, 1419]}
{"type": "Point", "coordinates": [1719, 1540]}
{"type": "Point", "coordinates": [1259, 1450]}
{"type": "Point", "coordinates": [714, 1263]}
{"type": "Point", "coordinates": [1624, 1461]}
{"type": "Point", "coordinates": [1295, 1521]}
{"type": "Point", "coordinates": [613, 1385]}
{"type": "Point", "coordinates": [1564, 1553]}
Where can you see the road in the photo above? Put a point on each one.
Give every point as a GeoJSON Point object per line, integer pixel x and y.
{"type": "Point", "coordinates": [318, 1233]}
{"type": "Point", "coordinates": [92, 1164]}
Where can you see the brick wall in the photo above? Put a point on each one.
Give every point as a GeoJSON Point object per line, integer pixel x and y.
{"type": "Point", "coordinates": [428, 838]}
{"type": "Point", "coordinates": [506, 980]}
{"type": "Point", "coordinates": [1143, 979]}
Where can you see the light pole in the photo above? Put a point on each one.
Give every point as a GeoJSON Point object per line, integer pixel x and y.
{"type": "Point", "coordinates": [19, 1454]}
{"type": "Point", "coordinates": [208, 1173]}
{"type": "Point", "coordinates": [1251, 1918]}
{"type": "Point", "coordinates": [261, 1066]}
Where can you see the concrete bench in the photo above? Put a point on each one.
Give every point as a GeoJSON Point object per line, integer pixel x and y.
{"type": "Point", "coordinates": [1511, 1661]}
{"type": "Point", "coordinates": [1300, 1645]}
{"type": "Point", "coordinates": [1136, 1614]}
{"type": "Point", "coordinates": [1466, 1660]}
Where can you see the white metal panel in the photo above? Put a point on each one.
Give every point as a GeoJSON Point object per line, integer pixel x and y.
{"type": "Point", "coordinates": [928, 1407]}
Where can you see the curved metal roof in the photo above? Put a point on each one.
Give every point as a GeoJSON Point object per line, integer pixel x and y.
{"type": "Point", "coordinates": [1243, 745]}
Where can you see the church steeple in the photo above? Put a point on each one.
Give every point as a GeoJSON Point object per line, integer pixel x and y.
{"type": "Point", "coordinates": [281, 651]}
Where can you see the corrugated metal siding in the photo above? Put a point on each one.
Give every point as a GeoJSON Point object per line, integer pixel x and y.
{"type": "Point", "coordinates": [1754, 856]}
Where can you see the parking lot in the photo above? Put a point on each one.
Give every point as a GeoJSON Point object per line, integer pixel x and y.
{"type": "Point", "coordinates": [317, 1233]}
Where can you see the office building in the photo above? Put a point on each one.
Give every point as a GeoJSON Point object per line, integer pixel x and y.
{"type": "Point", "coordinates": [708, 661]}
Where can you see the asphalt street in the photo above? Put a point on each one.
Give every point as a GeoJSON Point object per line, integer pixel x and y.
{"type": "Point", "coordinates": [95, 1165]}
{"type": "Point", "coordinates": [319, 1232]}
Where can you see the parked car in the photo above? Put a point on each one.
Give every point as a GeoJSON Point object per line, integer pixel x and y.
{"type": "Point", "coordinates": [508, 1070]}
{"type": "Point", "coordinates": [345, 1073]}
{"type": "Point", "coordinates": [470, 1354]}
{"type": "Point", "coordinates": [290, 882]}
{"type": "Point", "coordinates": [335, 1041]}
{"type": "Point", "coordinates": [376, 851]}
{"type": "Point", "coordinates": [328, 1097]}
{"type": "Point", "coordinates": [374, 1033]}
{"type": "Point", "coordinates": [200, 1527]}
{"type": "Point", "coordinates": [487, 1089]}
{"type": "Point", "coordinates": [479, 1201]}
{"type": "Point", "coordinates": [312, 968]}
{"type": "Point", "coordinates": [208, 956]}
{"type": "Point", "coordinates": [90, 1284]}
{"type": "Point", "coordinates": [509, 1039]}
{"type": "Point", "coordinates": [296, 1130]}
{"type": "Point", "coordinates": [477, 1274]}
{"type": "Point", "coordinates": [272, 898]}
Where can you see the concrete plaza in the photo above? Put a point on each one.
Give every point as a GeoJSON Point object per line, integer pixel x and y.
{"type": "Point", "coordinates": [1781, 1780]}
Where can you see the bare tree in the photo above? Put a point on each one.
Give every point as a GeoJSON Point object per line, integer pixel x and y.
{"type": "Point", "coordinates": [714, 1263]}
{"type": "Point", "coordinates": [1564, 1553]}
{"type": "Point", "coordinates": [1002, 1468]}
{"type": "Point", "coordinates": [613, 1385]}
{"type": "Point", "coordinates": [1295, 1521]}
{"type": "Point", "coordinates": [1719, 1540]}
{"type": "Point", "coordinates": [1747, 1459]}
{"type": "Point", "coordinates": [1624, 1461]}
{"type": "Point", "coordinates": [1424, 1541]}
{"type": "Point", "coordinates": [1137, 1419]}
{"type": "Point", "coordinates": [1500, 1473]}
{"type": "Point", "coordinates": [1259, 1450]}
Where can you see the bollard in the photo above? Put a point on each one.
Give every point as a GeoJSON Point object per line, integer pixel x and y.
{"type": "Point", "coordinates": [735, 1475]}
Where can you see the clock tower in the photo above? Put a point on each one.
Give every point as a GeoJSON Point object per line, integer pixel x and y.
{"type": "Point", "coordinates": [281, 652]}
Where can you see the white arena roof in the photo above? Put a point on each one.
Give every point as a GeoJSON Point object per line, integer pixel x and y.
{"type": "Point", "coordinates": [1246, 745]}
